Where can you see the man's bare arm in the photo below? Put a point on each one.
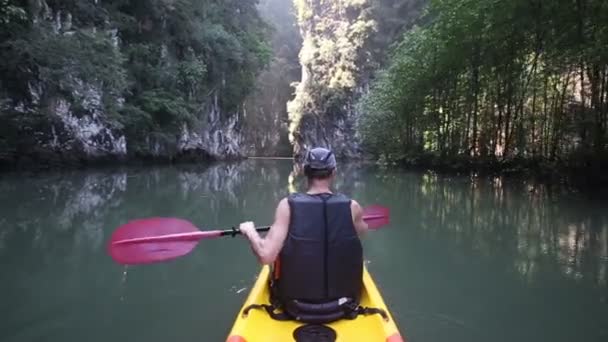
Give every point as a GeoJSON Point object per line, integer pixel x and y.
{"type": "Point", "coordinates": [267, 248]}
{"type": "Point", "coordinates": [357, 213]}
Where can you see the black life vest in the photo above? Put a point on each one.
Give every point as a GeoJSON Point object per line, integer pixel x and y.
{"type": "Point", "coordinates": [321, 262]}
{"type": "Point", "coordinates": [318, 276]}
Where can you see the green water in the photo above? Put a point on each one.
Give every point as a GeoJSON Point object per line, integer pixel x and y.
{"type": "Point", "coordinates": [464, 259]}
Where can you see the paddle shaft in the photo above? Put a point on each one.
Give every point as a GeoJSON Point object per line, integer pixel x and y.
{"type": "Point", "coordinates": [190, 236]}
{"type": "Point", "coordinates": [234, 231]}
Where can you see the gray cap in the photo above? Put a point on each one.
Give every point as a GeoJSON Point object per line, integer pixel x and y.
{"type": "Point", "coordinates": [320, 158]}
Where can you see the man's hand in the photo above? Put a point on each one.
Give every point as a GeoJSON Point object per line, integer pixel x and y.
{"type": "Point", "coordinates": [247, 228]}
{"type": "Point", "coordinates": [269, 247]}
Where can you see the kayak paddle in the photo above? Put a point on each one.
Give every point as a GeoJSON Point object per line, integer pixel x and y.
{"type": "Point", "coordinates": [157, 239]}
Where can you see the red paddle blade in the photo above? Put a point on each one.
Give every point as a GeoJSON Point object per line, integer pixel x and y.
{"type": "Point", "coordinates": [144, 252]}
{"type": "Point", "coordinates": [376, 216]}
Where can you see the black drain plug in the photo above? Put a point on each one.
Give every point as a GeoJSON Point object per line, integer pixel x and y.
{"type": "Point", "coordinates": [314, 333]}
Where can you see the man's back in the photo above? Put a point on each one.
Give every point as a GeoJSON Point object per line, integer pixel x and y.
{"type": "Point", "coordinates": [314, 246]}
{"type": "Point", "coordinates": [322, 256]}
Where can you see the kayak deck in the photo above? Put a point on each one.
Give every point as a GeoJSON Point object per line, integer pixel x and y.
{"type": "Point", "coordinates": [259, 326]}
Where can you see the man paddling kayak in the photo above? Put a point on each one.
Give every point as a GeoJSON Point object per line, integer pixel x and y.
{"type": "Point", "coordinates": [314, 247]}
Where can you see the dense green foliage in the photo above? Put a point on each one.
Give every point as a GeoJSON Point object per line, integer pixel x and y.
{"type": "Point", "coordinates": [156, 62]}
{"type": "Point", "coordinates": [495, 79]}
{"type": "Point", "coordinates": [392, 17]}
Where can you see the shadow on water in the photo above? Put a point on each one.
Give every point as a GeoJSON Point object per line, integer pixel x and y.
{"type": "Point", "coordinates": [464, 259]}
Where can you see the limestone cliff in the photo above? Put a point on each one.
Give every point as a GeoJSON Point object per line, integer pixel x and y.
{"type": "Point", "coordinates": [345, 42]}
{"type": "Point", "coordinates": [334, 59]}
{"type": "Point", "coordinates": [93, 81]}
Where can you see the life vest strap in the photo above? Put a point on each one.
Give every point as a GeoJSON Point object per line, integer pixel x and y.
{"type": "Point", "coordinates": [316, 313]}
{"type": "Point", "coordinates": [371, 311]}
{"type": "Point", "coordinates": [270, 309]}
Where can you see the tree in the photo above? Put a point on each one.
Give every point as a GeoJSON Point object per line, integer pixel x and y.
{"type": "Point", "coordinates": [494, 80]}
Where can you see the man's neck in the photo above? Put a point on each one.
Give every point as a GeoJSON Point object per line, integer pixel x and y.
{"type": "Point", "coordinates": [319, 187]}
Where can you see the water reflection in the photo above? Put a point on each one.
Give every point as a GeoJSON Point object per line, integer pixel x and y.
{"type": "Point", "coordinates": [53, 233]}
{"type": "Point", "coordinates": [459, 252]}
{"type": "Point", "coordinates": [532, 222]}
{"type": "Point", "coordinates": [82, 203]}
{"type": "Point", "coordinates": [536, 225]}
{"type": "Point", "coordinates": [46, 206]}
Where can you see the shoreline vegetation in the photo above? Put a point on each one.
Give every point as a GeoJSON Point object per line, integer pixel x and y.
{"type": "Point", "coordinates": [583, 173]}
{"type": "Point", "coordinates": [42, 161]}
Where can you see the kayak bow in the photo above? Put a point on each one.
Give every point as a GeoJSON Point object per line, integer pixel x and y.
{"type": "Point", "coordinates": [258, 326]}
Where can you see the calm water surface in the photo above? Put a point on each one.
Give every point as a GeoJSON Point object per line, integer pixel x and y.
{"type": "Point", "coordinates": [464, 259]}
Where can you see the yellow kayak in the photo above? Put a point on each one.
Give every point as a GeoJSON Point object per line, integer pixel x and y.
{"type": "Point", "coordinates": [258, 326]}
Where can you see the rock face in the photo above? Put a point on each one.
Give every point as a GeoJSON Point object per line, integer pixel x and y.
{"type": "Point", "coordinates": [71, 130]}
{"type": "Point", "coordinates": [78, 130]}
{"type": "Point", "coordinates": [336, 130]}
{"type": "Point", "coordinates": [344, 44]}
{"type": "Point", "coordinates": [49, 125]}
{"type": "Point", "coordinates": [219, 139]}
{"type": "Point", "coordinates": [334, 62]}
